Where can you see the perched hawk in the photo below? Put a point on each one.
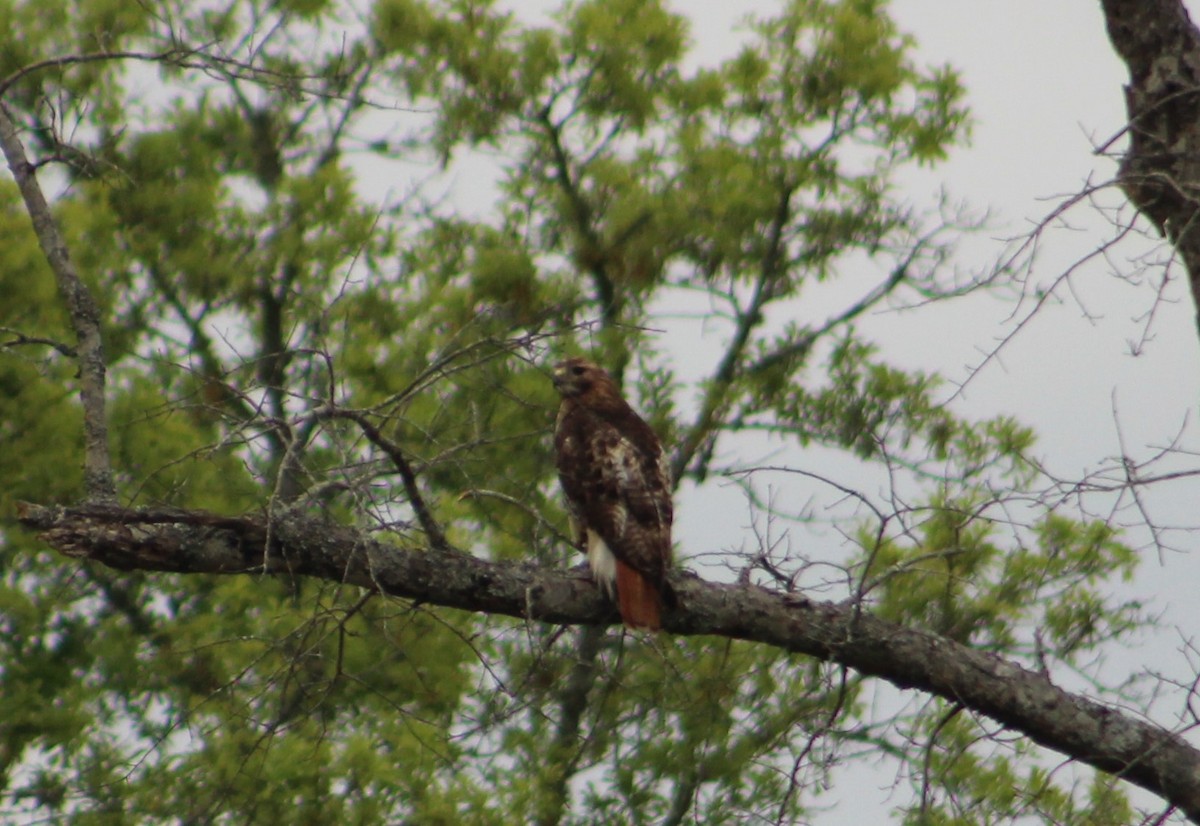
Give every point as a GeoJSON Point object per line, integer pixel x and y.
{"type": "Point", "coordinates": [618, 490]}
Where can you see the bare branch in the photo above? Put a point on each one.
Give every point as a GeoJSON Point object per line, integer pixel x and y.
{"type": "Point", "coordinates": [802, 344]}
{"type": "Point", "coordinates": [437, 537]}
{"type": "Point", "coordinates": [170, 55]}
{"type": "Point", "coordinates": [20, 339]}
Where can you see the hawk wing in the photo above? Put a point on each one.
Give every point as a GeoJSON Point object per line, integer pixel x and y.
{"type": "Point", "coordinates": [618, 490]}
{"type": "Point", "coordinates": [617, 482]}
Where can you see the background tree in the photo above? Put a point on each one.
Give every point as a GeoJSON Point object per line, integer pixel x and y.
{"type": "Point", "coordinates": [342, 400]}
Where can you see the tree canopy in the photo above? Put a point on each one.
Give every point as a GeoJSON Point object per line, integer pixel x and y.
{"type": "Point", "coordinates": [282, 281]}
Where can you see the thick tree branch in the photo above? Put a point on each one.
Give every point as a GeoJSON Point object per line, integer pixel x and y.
{"type": "Point", "coordinates": [194, 542]}
{"type": "Point", "coordinates": [1161, 169]}
{"type": "Point", "coordinates": [567, 747]}
{"type": "Point", "coordinates": [82, 309]}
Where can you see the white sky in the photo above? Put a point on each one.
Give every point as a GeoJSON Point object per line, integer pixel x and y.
{"type": "Point", "coordinates": [1045, 87]}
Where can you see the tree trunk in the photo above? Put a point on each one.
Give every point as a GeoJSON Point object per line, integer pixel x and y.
{"type": "Point", "coordinates": [1161, 169]}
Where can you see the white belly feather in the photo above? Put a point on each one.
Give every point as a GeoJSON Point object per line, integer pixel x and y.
{"type": "Point", "coordinates": [602, 562]}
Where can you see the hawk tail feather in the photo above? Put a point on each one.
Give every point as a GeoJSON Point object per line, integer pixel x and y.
{"type": "Point", "coordinates": [638, 599]}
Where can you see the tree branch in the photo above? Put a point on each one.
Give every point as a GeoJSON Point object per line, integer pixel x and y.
{"type": "Point", "coordinates": [196, 542]}
{"type": "Point", "coordinates": [584, 223]}
{"type": "Point", "coordinates": [20, 339]}
{"type": "Point", "coordinates": [437, 537]}
{"type": "Point", "coordinates": [567, 748]}
{"type": "Point", "coordinates": [1161, 169]}
{"type": "Point", "coordinates": [167, 56]}
{"type": "Point", "coordinates": [747, 320]}
{"type": "Point", "coordinates": [800, 346]}
{"type": "Point", "coordinates": [82, 309]}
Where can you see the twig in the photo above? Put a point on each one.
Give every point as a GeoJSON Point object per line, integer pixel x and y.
{"type": "Point", "coordinates": [168, 56]}
{"type": "Point", "coordinates": [437, 537]}
{"type": "Point", "coordinates": [20, 338]}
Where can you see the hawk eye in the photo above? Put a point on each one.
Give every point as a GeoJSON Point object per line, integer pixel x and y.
{"type": "Point", "coordinates": [578, 370]}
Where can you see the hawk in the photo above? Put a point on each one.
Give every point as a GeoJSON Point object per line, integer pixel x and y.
{"type": "Point", "coordinates": [618, 491]}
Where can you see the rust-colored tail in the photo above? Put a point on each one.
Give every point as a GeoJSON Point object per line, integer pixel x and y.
{"type": "Point", "coordinates": [638, 599]}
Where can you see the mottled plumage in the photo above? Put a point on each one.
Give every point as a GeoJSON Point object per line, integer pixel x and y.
{"type": "Point", "coordinates": [618, 489]}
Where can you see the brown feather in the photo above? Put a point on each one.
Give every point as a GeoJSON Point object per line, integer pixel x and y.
{"type": "Point", "coordinates": [614, 474]}
{"type": "Point", "coordinates": [638, 599]}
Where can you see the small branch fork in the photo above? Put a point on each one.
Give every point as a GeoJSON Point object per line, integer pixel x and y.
{"type": "Point", "coordinates": [437, 537]}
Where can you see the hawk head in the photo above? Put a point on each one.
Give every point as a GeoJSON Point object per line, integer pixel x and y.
{"type": "Point", "coordinates": [582, 380]}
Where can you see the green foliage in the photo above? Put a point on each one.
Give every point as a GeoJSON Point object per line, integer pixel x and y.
{"type": "Point", "coordinates": [248, 284]}
{"type": "Point", "coordinates": [969, 788]}
{"type": "Point", "coordinates": [957, 581]}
